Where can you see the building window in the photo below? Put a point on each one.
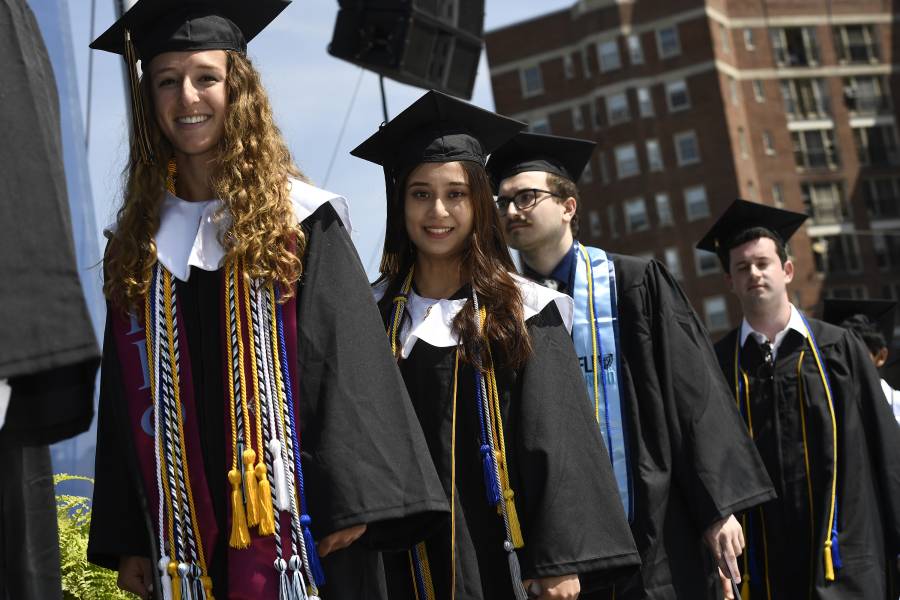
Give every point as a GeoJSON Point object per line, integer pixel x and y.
{"type": "Point", "coordinates": [825, 203]}
{"type": "Point", "coordinates": [541, 125]}
{"type": "Point", "coordinates": [595, 113]}
{"type": "Point", "coordinates": [609, 56]}
{"type": "Point", "coordinates": [856, 43]}
{"type": "Point", "coordinates": [805, 99]}
{"type": "Point", "coordinates": [568, 66]}
{"type": "Point", "coordinates": [587, 175]}
{"type": "Point", "coordinates": [705, 263]}
{"type": "Point", "coordinates": [768, 144]}
{"type": "Point", "coordinates": [626, 161]}
{"type": "Point", "coordinates": [759, 93]}
{"type": "Point", "coordinates": [594, 223]}
{"type": "Point", "coordinates": [673, 263]}
{"type": "Point", "coordinates": [876, 146]}
{"type": "Point", "coordinates": [723, 34]}
{"type": "Point", "coordinates": [577, 118]}
{"type": "Point", "coordinates": [677, 95]}
{"type": "Point", "coordinates": [777, 195]}
{"type": "Point", "coordinates": [663, 210]}
{"type": "Point", "coordinates": [586, 62]}
{"type": "Point", "coordinates": [742, 142]}
{"type": "Point", "coordinates": [635, 51]}
{"type": "Point", "coordinates": [866, 95]}
{"type": "Point", "coordinates": [882, 197]}
{"type": "Point", "coordinates": [748, 39]}
{"type": "Point", "coordinates": [815, 149]}
{"type": "Point", "coordinates": [751, 190]}
{"type": "Point", "coordinates": [667, 42]}
{"type": "Point", "coordinates": [604, 172]}
{"type": "Point", "coordinates": [733, 90]}
{"type": "Point", "coordinates": [612, 221]}
{"type": "Point", "coordinates": [695, 204]}
{"type": "Point", "coordinates": [636, 215]}
{"type": "Point", "coordinates": [795, 47]}
{"type": "Point", "coordinates": [532, 82]}
{"type": "Point", "coordinates": [887, 251]}
{"type": "Point", "coordinates": [654, 156]}
{"type": "Point", "coordinates": [645, 102]}
{"type": "Point", "coordinates": [715, 310]}
{"type": "Point", "coordinates": [617, 108]}
{"type": "Point", "coordinates": [687, 150]}
{"type": "Point", "coordinates": [836, 254]}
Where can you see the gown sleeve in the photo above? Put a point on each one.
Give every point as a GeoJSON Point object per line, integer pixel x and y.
{"type": "Point", "coordinates": [716, 465]}
{"type": "Point", "coordinates": [364, 454]}
{"type": "Point", "coordinates": [572, 518]}
{"type": "Point", "coordinates": [118, 522]}
{"type": "Point", "coordinates": [882, 435]}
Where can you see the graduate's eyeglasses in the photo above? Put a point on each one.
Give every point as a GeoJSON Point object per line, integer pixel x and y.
{"type": "Point", "coordinates": [523, 199]}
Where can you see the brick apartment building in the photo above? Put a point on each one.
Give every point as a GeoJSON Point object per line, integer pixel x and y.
{"type": "Point", "coordinates": [695, 103]}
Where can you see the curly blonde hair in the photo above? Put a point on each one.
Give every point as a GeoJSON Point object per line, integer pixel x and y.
{"type": "Point", "coordinates": [250, 175]}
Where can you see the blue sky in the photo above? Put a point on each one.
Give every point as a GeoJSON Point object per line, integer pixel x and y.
{"type": "Point", "coordinates": [310, 92]}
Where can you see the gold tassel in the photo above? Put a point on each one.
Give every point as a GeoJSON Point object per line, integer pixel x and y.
{"type": "Point", "coordinates": [251, 492]}
{"type": "Point", "coordinates": [206, 580]}
{"type": "Point", "coordinates": [138, 118]}
{"type": "Point", "coordinates": [240, 535]}
{"type": "Point", "coordinates": [176, 580]}
{"type": "Point", "coordinates": [745, 589]}
{"type": "Point", "coordinates": [829, 564]}
{"type": "Point", "coordinates": [515, 531]}
{"type": "Point", "coordinates": [266, 512]}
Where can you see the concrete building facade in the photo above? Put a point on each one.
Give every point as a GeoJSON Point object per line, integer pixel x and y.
{"type": "Point", "coordinates": [694, 103]}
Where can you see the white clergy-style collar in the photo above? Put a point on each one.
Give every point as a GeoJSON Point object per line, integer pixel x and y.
{"type": "Point", "coordinates": [189, 232]}
{"type": "Point", "coordinates": [795, 322]}
{"type": "Point", "coordinates": [431, 320]}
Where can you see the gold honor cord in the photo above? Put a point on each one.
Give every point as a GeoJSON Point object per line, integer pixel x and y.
{"type": "Point", "coordinates": [594, 358]}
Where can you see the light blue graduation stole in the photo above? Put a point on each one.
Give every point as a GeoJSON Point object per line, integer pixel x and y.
{"type": "Point", "coordinates": [596, 336]}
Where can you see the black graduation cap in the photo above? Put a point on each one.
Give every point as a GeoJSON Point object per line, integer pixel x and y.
{"type": "Point", "coordinates": [435, 128]}
{"type": "Point", "coordinates": [152, 27]}
{"type": "Point", "coordinates": [880, 312]}
{"type": "Point", "coordinates": [742, 215]}
{"type": "Point", "coordinates": [563, 156]}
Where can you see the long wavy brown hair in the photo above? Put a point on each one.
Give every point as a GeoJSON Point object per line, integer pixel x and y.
{"type": "Point", "coordinates": [250, 175]}
{"type": "Point", "coordinates": [486, 260]}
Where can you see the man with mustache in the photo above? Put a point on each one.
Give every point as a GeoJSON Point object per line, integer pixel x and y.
{"type": "Point", "coordinates": [682, 461]}
{"type": "Point", "coordinates": [811, 398]}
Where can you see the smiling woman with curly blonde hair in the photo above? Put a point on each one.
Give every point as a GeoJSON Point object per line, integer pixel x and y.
{"type": "Point", "coordinates": [239, 316]}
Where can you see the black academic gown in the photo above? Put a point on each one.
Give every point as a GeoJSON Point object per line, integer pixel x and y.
{"type": "Point", "coordinates": [787, 535]}
{"type": "Point", "coordinates": [572, 520]}
{"type": "Point", "coordinates": [353, 405]}
{"type": "Point", "coordinates": [691, 460]}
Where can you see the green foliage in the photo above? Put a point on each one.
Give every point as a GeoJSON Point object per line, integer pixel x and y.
{"type": "Point", "coordinates": [81, 580]}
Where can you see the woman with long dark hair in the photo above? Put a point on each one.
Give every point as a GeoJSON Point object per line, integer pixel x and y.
{"type": "Point", "coordinates": [492, 376]}
{"type": "Point", "coordinates": [247, 395]}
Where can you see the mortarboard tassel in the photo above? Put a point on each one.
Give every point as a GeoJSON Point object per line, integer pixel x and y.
{"type": "Point", "coordinates": [138, 117]}
{"type": "Point", "coordinates": [164, 578]}
{"type": "Point", "coordinates": [240, 535]}
{"type": "Point", "coordinates": [250, 488]}
{"type": "Point", "coordinates": [266, 512]}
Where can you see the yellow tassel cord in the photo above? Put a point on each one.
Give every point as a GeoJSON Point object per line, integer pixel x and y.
{"type": "Point", "coordinates": [496, 423]}
{"type": "Point", "coordinates": [590, 279]}
{"type": "Point", "coordinates": [266, 507]}
{"type": "Point", "coordinates": [176, 580]}
{"type": "Point", "coordinates": [426, 571]}
{"type": "Point", "coordinates": [412, 575]}
{"type": "Point", "coordinates": [399, 306]}
{"type": "Point", "coordinates": [249, 456]}
{"type": "Point", "coordinates": [206, 581]}
{"type": "Point", "coordinates": [176, 384]}
{"type": "Point", "coordinates": [240, 535]}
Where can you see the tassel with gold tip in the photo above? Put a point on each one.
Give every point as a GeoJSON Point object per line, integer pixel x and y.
{"type": "Point", "coordinates": [266, 512]}
{"type": "Point", "coordinates": [515, 530]}
{"type": "Point", "coordinates": [250, 488]}
{"type": "Point", "coordinates": [176, 582]}
{"type": "Point", "coordinates": [829, 563]}
{"type": "Point", "coordinates": [240, 535]}
{"type": "Point", "coordinates": [745, 588]}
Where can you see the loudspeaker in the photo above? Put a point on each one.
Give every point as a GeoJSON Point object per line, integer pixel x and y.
{"type": "Point", "coordinates": [432, 44]}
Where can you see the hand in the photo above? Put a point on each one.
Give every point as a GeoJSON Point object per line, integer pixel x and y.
{"type": "Point", "coordinates": [340, 539]}
{"type": "Point", "coordinates": [725, 539]}
{"type": "Point", "coordinates": [727, 592]}
{"type": "Point", "coordinates": [566, 587]}
{"type": "Point", "coordinates": [136, 576]}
